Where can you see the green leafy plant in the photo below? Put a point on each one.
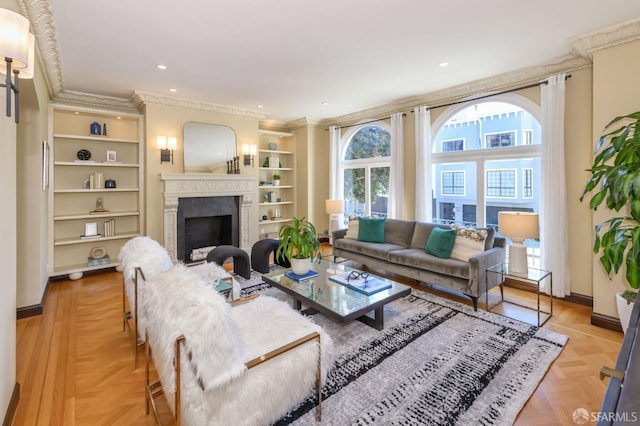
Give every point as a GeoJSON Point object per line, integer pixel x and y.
{"type": "Point", "coordinates": [298, 240]}
{"type": "Point", "coordinates": [276, 177]}
{"type": "Point", "coordinates": [615, 181]}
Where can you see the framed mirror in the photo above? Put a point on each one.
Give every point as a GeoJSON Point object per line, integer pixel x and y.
{"type": "Point", "coordinates": [207, 147]}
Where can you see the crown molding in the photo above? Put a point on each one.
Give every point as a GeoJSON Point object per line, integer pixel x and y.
{"type": "Point", "coordinates": [93, 100]}
{"type": "Point", "coordinates": [495, 83]}
{"type": "Point", "coordinates": [585, 45]}
{"type": "Point", "coordinates": [138, 98]}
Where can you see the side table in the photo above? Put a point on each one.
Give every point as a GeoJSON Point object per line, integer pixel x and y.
{"type": "Point", "coordinates": [533, 278]}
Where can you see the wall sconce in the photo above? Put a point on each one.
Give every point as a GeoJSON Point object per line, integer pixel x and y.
{"type": "Point", "coordinates": [249, 153]}
{"type": "Point", "coordinates": [167, 145]}
{"type": "Point", "coordinates": [17, 49]}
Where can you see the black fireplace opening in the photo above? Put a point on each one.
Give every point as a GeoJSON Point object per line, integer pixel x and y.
{"type": "Point", "coordinates": [206, 222]}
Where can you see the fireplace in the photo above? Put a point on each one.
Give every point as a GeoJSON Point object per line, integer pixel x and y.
{"type": "Point", "coordinates": [206, 222]}
{"type": "Point", "coordinates": [219, 207]}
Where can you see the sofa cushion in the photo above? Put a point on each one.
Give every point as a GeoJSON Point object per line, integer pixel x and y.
{"type": "Point", "coordinates": [469, 242]}
{"type": "Point", "coordinates": [421, 233]}
{"type": "Point", "coordinates": [440, 242]}
{"type": "Point", "coordinates": [371, 230]}
{"type": "Point", "coordinates": [399, 232]}
{"type": "Point", "coordinates": [376, 250]}
{"type": "Point", "coordinates": [420, 259]}
{"type": "Point", "coordinates": [352, 230]}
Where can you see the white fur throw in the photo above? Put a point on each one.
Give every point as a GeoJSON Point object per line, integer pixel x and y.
{"type": "Point", "coordinates": [151, 258]}
{"type": "Point", "coordinates": [211, 272]}
{"type": "Point", "coordinates": [221, 338]}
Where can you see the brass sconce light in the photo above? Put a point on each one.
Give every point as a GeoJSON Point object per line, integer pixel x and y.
{"type": "Point", "coordinates": [167, 145]}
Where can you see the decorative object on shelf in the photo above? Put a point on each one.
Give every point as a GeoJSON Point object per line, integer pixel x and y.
{"type": "Point", "coordinates": [90, 229]}
{"type": "Point", "coordinates": [274, 162]}
{"type": "Point", "coordinates": [17, 46]}
{"type": "Point", "coordinates": [109, 227]}
{"type": "Point", "coordinates": [96, 180]}
{"type": "Point", "coordinates": [111, 156]}
{"type": "Point", "coordinates": [110, 183]}
{"type": "Point", "coordinates": [273, 146]}
{"type": "Point", "coordinates": [276, 179]}
{"type": "Point", "coordinates": [264, 217]}
{"type": "Point", "coordinates": [99, 206]}
{"type": "Point", "coordinates": [277, 214]}
{"type": "Point", "coordinates": [613, 171]}
{"type": "Point", "coordinates": [83, 154]}
{"type": "Point", "coordinates": [249, 154]}
{"type": "Point", "coordinates": [95, 128]}
{"type": "Point", "coordinates": [166, 145]}
{"type": "Point", "coordinates": [86, 184]}
{"type": "Point", "coordinates": [299, 236]}
{"type": "Point", "coordinates": [518, 226]}
{"type": "Point", "coordinates": [334, 208]}
{"type": "Point", "coordinates": [97, 252]}
{"type": "Point", "coordinates": [104, 129]}
{"type": "Point", "coordinates": [233, 166]}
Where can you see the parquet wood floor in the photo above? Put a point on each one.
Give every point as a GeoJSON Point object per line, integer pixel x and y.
{"type": "Point", "coordinates": [75, 364]}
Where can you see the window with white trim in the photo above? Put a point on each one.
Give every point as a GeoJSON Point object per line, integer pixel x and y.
{"type": "Point", "coordinates": [500, 140]}
{"type": "Point", "coordinates": [453, 145]}
{"type": "Point", "coordinates": [453, 183]}
{"type": "Point", "coordinates": [501, 183]}
{"type": "Point", "coordinates": [527, 183]}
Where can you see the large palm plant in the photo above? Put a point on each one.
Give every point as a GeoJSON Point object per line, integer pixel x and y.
{"type": "Point", "coordinates": [298, 240]}
{"type": "Point", "coordinates": [615, 179]}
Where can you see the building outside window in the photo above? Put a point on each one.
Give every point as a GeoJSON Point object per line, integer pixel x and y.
{"type": "Point", "coordinates": [499, 140]}
{"type": "Point", "coordinates": [527, 183]}
{"type": "Point", "coordinates": [501, 183]}
{"type": "Point", "coordinates": [453, 183]}
{"type": "Point", "coordinates": [453, 145]}
{"type": "Point", "coordinates": [527, 137]}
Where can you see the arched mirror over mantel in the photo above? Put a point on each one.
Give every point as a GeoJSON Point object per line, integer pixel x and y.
{"type": "Point", "coordinates": [208, 147]}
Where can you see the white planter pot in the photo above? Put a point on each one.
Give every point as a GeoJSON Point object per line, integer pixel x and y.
{"type": "Point", "coordinates": [276, 182]}
{"type": "Point", "coordinates": [300, 266]}
{"type": "Point", "coordinates": [624, 311]}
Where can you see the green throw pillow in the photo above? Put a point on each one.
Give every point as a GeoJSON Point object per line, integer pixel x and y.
{"type": "Point", "coordinates": [440, 242]}
{"type": "Point", "coordinates": [371, 230]}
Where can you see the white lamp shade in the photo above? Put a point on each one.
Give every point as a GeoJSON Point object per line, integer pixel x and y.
{"type": "Point", "coordinates": [334, 206]}
{"type": "Point", "coordinates": [14, 39]}
{"type": "Point", "coordinates": [162, 142]}
{"type": "Point", "coordinates": [172, 143]}
{"type": "Point", "coordinates": [27, 73]}
{"type": "Point", "coordinates": [518, 225]}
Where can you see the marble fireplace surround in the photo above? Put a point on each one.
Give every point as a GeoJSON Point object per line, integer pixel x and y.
{"type": "Point", "coordinates": [188, 185]}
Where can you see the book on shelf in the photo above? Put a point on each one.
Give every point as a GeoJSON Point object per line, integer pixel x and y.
{"type": "Point", "coordinates": [109, 227]}
{"type": "Point", "coordinates": [88, 237]}
{"type": "Point", "coordinates": [367, 284]}
{"type": "Point", "coordinates": [304, 277]}
{"type": "Point", "coordinates": [95, 261]}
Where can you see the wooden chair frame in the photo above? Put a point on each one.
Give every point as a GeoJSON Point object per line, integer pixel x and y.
{"type": "Point", "coordinates": [154, 389]}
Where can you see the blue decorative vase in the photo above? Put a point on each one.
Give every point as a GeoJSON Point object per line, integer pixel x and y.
{"type": "Point", "coordinates": [95, 128]}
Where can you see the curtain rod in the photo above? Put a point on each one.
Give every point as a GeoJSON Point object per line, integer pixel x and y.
{"type": "Point", "coordinates": [515, 89]}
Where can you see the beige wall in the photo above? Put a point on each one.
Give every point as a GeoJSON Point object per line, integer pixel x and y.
{"type": "Point", "coordinates": [615, 92]}
{"type": "Point", "coordinates": [169, 121]}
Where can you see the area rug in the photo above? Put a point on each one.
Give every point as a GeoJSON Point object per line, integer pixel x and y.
{"type": "Point", "coordinates": [436, 362]}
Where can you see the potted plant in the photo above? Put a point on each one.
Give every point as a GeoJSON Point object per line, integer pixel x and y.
{"type": "Point", "coordinates": [276, 179]}
{"type": "Point", "coordinates": [615, 180]}
{"type": "Point", "coordinates": [299, 244]}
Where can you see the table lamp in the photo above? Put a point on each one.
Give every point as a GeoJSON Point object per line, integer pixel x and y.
{"type": "Point", "coordinates": [334, 209]}
{"type": "Point", "coordinates": [518, 226]}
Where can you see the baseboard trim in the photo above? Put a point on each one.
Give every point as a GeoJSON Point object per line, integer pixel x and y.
{"type": "Point", "coordinates": [605, 321]}
{"type": "Point", "coordinates": [578, 299]}
{"type": "Point", "coordinates": [13, 406]}
{"type": "Point", "coordinates": [34, 310]}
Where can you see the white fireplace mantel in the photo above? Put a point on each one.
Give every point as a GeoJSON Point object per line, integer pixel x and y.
{"type": "Point", "coordinates": [187, 185]}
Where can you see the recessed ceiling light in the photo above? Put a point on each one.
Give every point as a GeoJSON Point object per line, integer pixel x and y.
{"type": "Point", "coordinates": [325, 103]}
{"type": "Point", "coordinates": [259, 106]}
{"type": "Point", "coordinates": [443, 64]}
{"type": "Point", "coordinates": [173, 90]}
{"type": "Point", "coordinates": [161, 67]}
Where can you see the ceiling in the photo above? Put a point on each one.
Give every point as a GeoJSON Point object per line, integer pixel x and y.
{"type": "Point", "coordinates": [291, 56]}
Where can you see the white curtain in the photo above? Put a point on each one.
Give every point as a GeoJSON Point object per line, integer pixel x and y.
{"type": "Point", "coordinates": [423, 164]}
{"type": "Point", "coordinates": [553, 206]}
{"type": "Point", "coordinates": [396, 178]}
{"type": "Point", "coordinates": [335, 177]}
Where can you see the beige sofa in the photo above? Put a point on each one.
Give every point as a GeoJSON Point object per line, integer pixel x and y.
{"type": "Point", "coordinates": [403, 252]}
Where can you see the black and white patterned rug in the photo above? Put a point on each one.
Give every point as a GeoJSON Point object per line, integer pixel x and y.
{"type": "Point", "coordinates": [436, 362]}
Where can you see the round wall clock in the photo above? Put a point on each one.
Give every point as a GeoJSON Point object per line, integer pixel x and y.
{"type": "Point", "coordinates": [83, 154]}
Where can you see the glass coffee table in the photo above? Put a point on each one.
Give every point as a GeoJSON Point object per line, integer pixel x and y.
{"type": "Point", "coordinates": [336, 301]}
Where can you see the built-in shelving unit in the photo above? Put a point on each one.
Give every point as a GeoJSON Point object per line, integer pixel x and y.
{"type": "Point", "coordinates": [76, 185]}
{"type": "Point", "coordinates": [277, 205]}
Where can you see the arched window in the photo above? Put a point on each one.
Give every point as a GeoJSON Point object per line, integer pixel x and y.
{"type": "Point", "coordinates": [486, 159]}
{"type": "Point", "coordinates": [365, 165]}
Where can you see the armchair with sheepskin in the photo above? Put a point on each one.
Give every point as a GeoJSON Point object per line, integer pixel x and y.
{"type": "Point", "coordinates": [141, 259]}
{"type": "Point", "coordinates": [221, 363]}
